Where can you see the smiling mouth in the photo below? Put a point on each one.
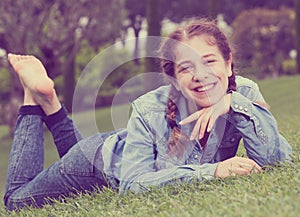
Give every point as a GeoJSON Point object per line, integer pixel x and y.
{"type": "Point", "coordinates": [204, 88]}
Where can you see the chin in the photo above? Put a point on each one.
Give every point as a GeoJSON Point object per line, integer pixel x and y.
{"type": "Point", "coordinates": [207, 102]}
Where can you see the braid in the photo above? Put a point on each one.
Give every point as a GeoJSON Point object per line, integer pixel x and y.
{"type": "Point", "coordinates": [231, 80]}
{"type": "Point", "coordinates": [172, 108]}
{"type": "Point", "coordinates": [177, 139]}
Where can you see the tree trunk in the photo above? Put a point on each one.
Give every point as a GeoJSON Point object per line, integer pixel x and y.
{"type": "Point", "coordinates": [69, 83]}
{"type": "Point", "coordinates": [136, 46]}
{"type": "Point", "coordinates": [154, 27]}
{"type": "Point", "coordinates": [297, 35]}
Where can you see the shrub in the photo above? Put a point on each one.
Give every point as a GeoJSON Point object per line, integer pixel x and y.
{"type": "Point", "coordinates": [289, 67]}
{"type": "Point", "coordinates": [264, 39]}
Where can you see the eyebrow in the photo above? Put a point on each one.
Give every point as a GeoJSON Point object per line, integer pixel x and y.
{"type": "Point", "coordinates": [208, 55]}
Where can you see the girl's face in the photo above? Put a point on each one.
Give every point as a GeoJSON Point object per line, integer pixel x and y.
{"type": "Point", "coordinates": [201, 71]}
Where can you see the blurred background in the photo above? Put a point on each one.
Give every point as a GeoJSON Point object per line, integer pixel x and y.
{"type": "Point", "coordinates": [66, 35]}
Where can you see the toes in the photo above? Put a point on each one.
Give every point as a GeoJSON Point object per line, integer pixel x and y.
{"type": "Point", "coordinates": [13, 59]}
{"type": "Point", "coordinates": [16, 57]}
{"type": "Point", "coordinates": [25, 57]}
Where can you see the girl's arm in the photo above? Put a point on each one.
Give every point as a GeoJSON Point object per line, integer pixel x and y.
{"type": "Point", "coordinates": [262, 140]}
{"type": "Point", "coordinates": [138, 171]}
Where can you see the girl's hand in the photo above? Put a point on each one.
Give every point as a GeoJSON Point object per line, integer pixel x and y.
{"type": "Point", "coordinates": [206, 117]}
{"type": "Point", "coordinates": [236, 166]}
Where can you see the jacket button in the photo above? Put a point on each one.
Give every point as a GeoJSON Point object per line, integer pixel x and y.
{"type": "Point", "coordinates": [195, 156]}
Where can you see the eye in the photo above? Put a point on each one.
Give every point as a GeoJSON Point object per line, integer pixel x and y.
{"type": "Point", "coordinates": [185, 69]}
{"type": "Point", "coordinates": [210, 61]}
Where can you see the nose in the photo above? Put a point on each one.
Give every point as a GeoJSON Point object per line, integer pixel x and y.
{"type": "Point", "coordinates": [201, 72]}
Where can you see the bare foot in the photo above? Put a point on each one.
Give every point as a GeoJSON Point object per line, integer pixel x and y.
{"type": "Point", "coordinates": [38, 87]}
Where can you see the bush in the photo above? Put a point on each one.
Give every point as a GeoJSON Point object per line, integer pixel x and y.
{"type": "Point", "coordinates": [289, 67]}
{"type": "Point", "coordinates": [264, 39]}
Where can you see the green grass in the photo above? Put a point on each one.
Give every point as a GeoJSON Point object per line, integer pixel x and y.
{"type": "Point", "coordinates": [275, 192]}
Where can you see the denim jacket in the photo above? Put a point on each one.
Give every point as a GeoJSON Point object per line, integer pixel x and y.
{"type": "Point", "coordinates": [138, 156]}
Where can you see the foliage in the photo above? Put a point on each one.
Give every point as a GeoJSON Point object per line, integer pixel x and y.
{"type": "Point", "coordinates": [232, 8]}
{"type": "Point", "coordinates": [297, 33]}
{"type": "Point", "coordinates": [53, 30]}
{"type": "Point", "coordinates": [57, 27]}
{"type": "Point", "coordinates": [264, 39]}
{"type": "Point", "coordinates": [289, 67]}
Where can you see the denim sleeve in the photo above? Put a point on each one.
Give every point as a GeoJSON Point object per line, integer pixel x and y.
{"type": "Point", "coordinates": [138, 172]}
{"type": "Point", "coordinates": [258, 128]}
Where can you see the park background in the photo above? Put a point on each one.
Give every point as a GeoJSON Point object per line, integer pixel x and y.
{"type": "Point", "coordinates": [67, 35]}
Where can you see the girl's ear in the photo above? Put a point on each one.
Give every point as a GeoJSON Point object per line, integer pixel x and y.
{"type": "Point", "coordinates": [229, 64]}
{"type": "Point", "coordinates": [175, 83]}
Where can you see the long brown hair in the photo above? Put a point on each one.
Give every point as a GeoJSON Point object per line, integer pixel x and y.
{"type": "Point", "coordinates": [192, 28]}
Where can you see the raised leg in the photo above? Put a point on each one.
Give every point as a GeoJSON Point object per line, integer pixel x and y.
{"type": "Point", "coordinates": [80, 166]}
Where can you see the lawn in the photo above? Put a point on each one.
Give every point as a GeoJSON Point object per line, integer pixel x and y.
{"type": "Point", "coordinates": [275, 192]}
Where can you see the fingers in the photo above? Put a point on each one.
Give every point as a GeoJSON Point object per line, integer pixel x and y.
{"type": "Point", "coordinates": [237, 166]}
{"type": "Point", "coordinates": [251, 165]}
{"type": "Point", "coordinates": [203, 124]}
{"type": "Point", "coordinates": [196, 129]}
{"type": "Point", "coordinates": [206, 117]}
{"type": "Point", "coordinates": [202, 118]}
{"type": "Point", "coordinates": [191, 118]}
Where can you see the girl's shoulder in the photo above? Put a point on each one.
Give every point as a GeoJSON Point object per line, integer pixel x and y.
{"type": "Point", "coordinates": [154, 100]}
{"type": "Point", "coordinates": [247, 87]}
{"type": "Point", "coordinates": [244, 82]}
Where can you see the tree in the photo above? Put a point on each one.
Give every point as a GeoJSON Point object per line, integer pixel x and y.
{"type": "Point", "coordinates": [154, 18]}
{"type": "Point", "coordinates": [136, 14]}
{"type": "Point", "coordinates": [54, 30]}
{"type": "Point", "coordinates": [15, 37]}
{"type": "Point", "coordinates": [297, 35]}
{"type": "Point", "coordinates": [232, 8]}
{"type": "Point", "coordinates": [265, 39]}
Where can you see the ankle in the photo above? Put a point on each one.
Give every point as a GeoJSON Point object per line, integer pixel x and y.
{"type": "Point", "coordinates": [51, 106]}
{"type": "Point", "coordinates": [28, 98]}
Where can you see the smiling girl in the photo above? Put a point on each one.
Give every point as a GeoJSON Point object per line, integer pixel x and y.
{"type": "Point", "coordinates": [188, 130]}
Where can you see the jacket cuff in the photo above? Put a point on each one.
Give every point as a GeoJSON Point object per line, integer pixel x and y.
{"type": "Point", "coordinates": [206, 171]}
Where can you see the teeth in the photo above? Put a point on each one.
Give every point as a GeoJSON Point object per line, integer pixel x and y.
{"type": "Point", "coordinates": [205, 88]}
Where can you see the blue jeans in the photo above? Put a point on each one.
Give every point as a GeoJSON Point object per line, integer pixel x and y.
{"type": "Point", "coordinates": [78, 170]}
